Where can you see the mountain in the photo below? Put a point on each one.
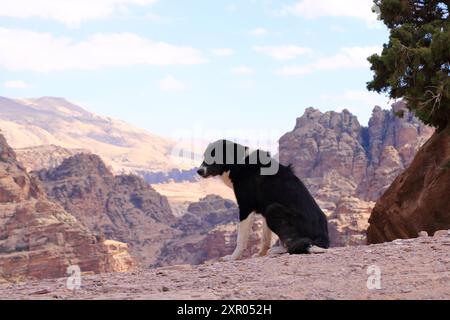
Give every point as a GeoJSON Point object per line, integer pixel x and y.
{"type": "Point", "coordinates": [45, 156]}
{"type": "Point", "coordinates": [348, 166]}
{"type": "Point", "coordinates": [38, 238]}
{"type": "Point", "coordinates": [119, 207]}
{"type": "Point", "coordinates": [418, 199]}
{"type": "Point", "coordinates": [55, 121]}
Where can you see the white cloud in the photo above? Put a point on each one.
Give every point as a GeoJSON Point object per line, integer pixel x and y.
{"type": "Point", "coordinates": [242, 71]}
{"type": "Point", "coordinates": [69, 12]}
{"type": "Point", "coordinates": [43, 52]}
{"type": "Point", "coordinates": [15, 84]}
{"type": "Point", "coordinates": [312, 9]}
{"type": "Point", "coordinates": [257, 32]}
{"type": "Point", "coordinates": [286, 52]}
{"type": "Point", "coordinates": [222, 52]}
{"type": "Point", "coordinates": [170, 83]}
{"type": "Point", "coordinates": [346, 58]}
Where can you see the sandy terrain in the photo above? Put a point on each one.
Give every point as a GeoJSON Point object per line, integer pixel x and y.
{"type": "Point", "coordinates": [409, 269]}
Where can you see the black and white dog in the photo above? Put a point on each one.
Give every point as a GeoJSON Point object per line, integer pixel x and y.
{"type": "Point", "coordinates": [264, 186]}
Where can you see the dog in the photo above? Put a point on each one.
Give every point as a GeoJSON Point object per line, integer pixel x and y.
{"type": "Point", "coordinates": [263, 186]}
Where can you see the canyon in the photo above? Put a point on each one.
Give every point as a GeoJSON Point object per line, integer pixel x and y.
{"type": "Point", "coordinates": [38, 238]}
{"type": "Point", "coordinates": [179, 219]}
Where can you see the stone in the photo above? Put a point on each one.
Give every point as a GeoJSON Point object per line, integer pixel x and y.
{"type": "Point", "coordinates": [418, 198]}
{"type": "Point", "coordinates": [441, 233]}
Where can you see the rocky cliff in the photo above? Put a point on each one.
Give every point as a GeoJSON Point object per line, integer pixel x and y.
{"type": "Point", "coordinates": [38, 238]}
{"type": "Point", "coordinates": [45, 156]}
{"type": "Point", "coordinates": [348, 166]}
{"type": "Point", "coordinates": [122, 207]}
{"type": "Point", "coordinates": [418, 199]}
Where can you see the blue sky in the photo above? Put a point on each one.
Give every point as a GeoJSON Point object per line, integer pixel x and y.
{"type": "Point", "coordinates": [171, 66]}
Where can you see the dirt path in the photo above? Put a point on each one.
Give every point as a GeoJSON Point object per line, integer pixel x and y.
{"type": "Point", "coordinates": [409, 269]}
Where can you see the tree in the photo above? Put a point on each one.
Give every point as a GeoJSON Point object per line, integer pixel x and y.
{"type": "Point", "coordinates": [415, 63]}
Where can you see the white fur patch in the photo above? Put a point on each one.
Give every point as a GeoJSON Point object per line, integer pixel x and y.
{"type": "Point", "coordinates": [317, 250]}
{"type": "Point", "coordinates": [277, 250]}
{"type": "Point", "coordinates": [266, 240]}
{"type": "Point", "coordinates": [244, 229]}
{"type": "Point", "coordinates": [226, 179]}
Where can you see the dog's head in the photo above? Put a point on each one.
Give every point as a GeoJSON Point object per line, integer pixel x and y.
{"type": "Point", "coordinates": [219, 156]}
{"type": "Point", "coordinates": [223, 155]}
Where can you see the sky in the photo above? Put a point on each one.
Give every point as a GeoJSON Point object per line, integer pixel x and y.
{"type": "Point", "coordinates": [176, 67]}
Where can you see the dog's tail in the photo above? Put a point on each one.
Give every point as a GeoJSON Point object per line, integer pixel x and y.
{"type": "Point", "coordinates": [304, 246]}
{"type": "Point", "coordinates": [298, 246]}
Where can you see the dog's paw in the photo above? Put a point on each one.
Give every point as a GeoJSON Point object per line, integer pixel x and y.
{"type": "Point", "coordinates": [260, 254]}
{"type": "Point", "coordinates": [229, 258]}
{"type": "Point", "coordinates": [317, 250]}
{"type": "Point", "coordinates": [276, 251]}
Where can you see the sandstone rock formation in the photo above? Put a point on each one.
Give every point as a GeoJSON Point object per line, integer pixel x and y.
{"type": "Point", "coordinates": [123, 208]}
{"type": "Point", "coordinates": [418, 200]}
{"type": "Point", "coordinates": [348, 222]}
{"type": "Point", "coordinates": [347, 166]}
{"type": "Point", "coordinates": [45, 156]}
{"type": "Point", "coordinates": [38, 238]}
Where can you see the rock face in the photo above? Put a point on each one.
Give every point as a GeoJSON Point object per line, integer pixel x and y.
{"type": "Point", "coordinates": [45, 156]}
{"type": "Point", "coordinates": [418, 200]}
{"type": "Point", "coordinates": [347, 166]}
{"type": "Point", "coordinates": [175, 175]}
{"type": "Point", "coordinates": [348, 222]}
{"type": "Point", "coordinates": [38, 238]}
{"type": "Point", "coordinates": [208, 233]}
{"type": "Point", "coordinates": [123, 208]}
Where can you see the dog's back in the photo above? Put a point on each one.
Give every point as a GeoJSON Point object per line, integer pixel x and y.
{"type": "Point", "coordinates": [297, 206]}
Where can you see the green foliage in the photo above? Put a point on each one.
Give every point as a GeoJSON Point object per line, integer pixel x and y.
{"type": "Point", "coordinates": [415, 63]}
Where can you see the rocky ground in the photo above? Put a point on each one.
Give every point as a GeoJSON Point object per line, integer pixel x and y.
{"type": "Point", "coordinates": [410, 269]}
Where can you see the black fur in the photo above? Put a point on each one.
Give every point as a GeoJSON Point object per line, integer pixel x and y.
{"type": "Point", "coordinates": [290, 210]}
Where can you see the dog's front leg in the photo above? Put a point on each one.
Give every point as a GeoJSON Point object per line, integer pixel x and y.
{"type": "Point", "coordinates": [244, 229]}
{"type": "Point", "coordinates": [266, 240]}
